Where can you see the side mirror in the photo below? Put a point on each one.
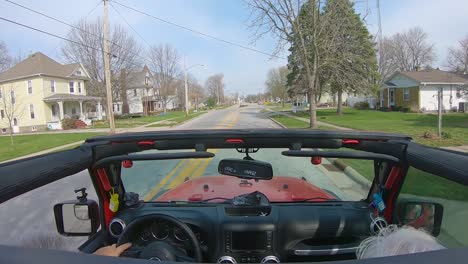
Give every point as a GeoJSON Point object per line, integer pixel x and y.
{"type": "Point", "coordinates": [77, 218]}
{"type": "Point", "coordinates": [420, 214]}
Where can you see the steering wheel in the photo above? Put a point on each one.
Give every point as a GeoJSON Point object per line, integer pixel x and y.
{"type": "Point", "coordinates": [161, 250]}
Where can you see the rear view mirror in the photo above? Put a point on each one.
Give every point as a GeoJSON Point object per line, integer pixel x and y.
{"type": "Point", "coordinates": [246, 169]}
{"type": "Point", "coordinates": [421, 214]}
{"type": "Point", "coordinates": [77, 218]}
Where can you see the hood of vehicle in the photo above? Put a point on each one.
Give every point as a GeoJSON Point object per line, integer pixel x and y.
{"type": "Point", "coordinates": [278, 189]}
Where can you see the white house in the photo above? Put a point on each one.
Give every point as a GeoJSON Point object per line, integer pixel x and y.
{"type": "Point", "coordinates": [142, 97]}
{"type": "Point", "coordinates": [417, 90]}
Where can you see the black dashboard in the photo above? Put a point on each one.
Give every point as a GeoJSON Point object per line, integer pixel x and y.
{"type": "Point", "coordinates": [254, 234]}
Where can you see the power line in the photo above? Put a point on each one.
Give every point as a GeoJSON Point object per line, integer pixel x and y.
{"type": "Point", "coordinates": [63, 22]}
{"type": "Point", "coordinates": [69, 40]}
{"type": "Point", "coordinates": [51, 34]}
{"type": "Point", "coordinates": [199, 32]}
{"type": "Point", "coordinates": [73, 27]}
{"type": "Point", "coordinates": [128, 24]}
{"type": "Point", "coordinates": [53, 18]}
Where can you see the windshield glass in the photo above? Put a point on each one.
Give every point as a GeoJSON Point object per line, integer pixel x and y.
{"type": "Point", "coordinates": [295, 179]}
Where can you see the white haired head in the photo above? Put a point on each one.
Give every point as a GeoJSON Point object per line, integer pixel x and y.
{"type": "Point", "coordinates": [393, 241]}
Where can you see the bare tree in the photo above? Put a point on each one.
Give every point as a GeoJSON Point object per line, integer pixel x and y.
{"type": "Point", "coordinates": [457, 58]}
{"type": "Point", "coordinates": [411, 50]}
{"type": "Point", "coordinates": [215, 87]}
{"type": "Point", "coordinates": [5, 58]}
{"type": "Point", "coordinates": [276, 83]}
{"type": "Point", "coordinates": [197, 93]}
{"type": "Point", "coordinates": [166, 69]}
{"type": "Point", "coordinates": [89, 52]}
{"type": "Point", "coordinates": [195, 90]}
{"type": "Point", "coordinates": [11, 108]}
{"type": "Point", "coordinates": [386, 59]}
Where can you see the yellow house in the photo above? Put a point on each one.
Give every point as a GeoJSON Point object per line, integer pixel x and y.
{"type": "Point", "coordinates": [38, 93]}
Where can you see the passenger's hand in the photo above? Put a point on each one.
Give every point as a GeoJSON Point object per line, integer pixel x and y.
{"type": "Point", "coordinates": [112, 250]}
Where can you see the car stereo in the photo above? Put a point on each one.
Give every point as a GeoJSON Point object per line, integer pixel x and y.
{"type": "Point", "coordinates": [248, 241]}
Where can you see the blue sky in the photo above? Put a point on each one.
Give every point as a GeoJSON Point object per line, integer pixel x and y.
{"type": "Point", "coordinates": [245, 71]}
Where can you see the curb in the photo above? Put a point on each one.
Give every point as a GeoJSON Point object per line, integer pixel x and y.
{"type": "Point", "coordinates": [191, 119]}
{"type": "Point", "coordinates": [352, 173]}
{"type": "Point", "coordinates": [276, 122]}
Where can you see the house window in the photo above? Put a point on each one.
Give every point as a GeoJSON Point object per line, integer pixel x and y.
{"type": "Point", "coordinates": [134, 92]}
{"type": "Point", "coordinates": [0, 92]}
{"type": "Point", "coordinates": [71, 87]}
{"type": "Point", "coordinates": [15, 121]}
{"type": "Point", "coordinates": [79, 87]}
{"type": "Point", "coordinates": [146, 80]}
{"type": "Point", "coordinates": [406, 94]}
{"type": "Point", "coordinates": [31, 111]}
{"type": "Point", "coordinates": [458, 93]}
{"type": "Point", "coordinates": [29, 87]}
{"type": "Point", "coordinates": [78, 73]}
{"type": "Point", "coordinates": [2, 113]}
{"type": "Point", "coordinates": [73, 111]}
{"type": "Point", "coordinates": [118, 108]}
{"type": "Point", "coordinates": [13, 97]}
{"type": "Point", "coordinates": [52, 86]}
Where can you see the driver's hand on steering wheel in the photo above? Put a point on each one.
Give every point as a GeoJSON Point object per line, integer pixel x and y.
{"type": "Point", "coordinates": [112, 250]}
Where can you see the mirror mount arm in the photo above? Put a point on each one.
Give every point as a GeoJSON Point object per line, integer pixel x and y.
{"type": "Point", "coordinates": [82, 198]}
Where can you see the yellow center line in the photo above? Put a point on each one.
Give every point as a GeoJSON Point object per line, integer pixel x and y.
{"type": "Point", "coordinates": [206, 162]}
{"type": "Point", "coordinates": [190, 167]}
{"type": "Point", "coordinates": [156, 189]}
{"type": "Point", "coordinates": [184, 173]}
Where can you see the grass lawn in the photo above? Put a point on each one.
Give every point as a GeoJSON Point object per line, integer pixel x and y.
{"type": "Point", "coordinates": [139, 121]}
{"type": "Point", "coordinates": [290, 122]}
{"type": "Point", "coordinates": [27, 144]}
{"type": "Point", "coordinates": [412, 124]}
{"type": "Point", "coordinates": [417, 182]}
{"type": "Point", "coordinates": [179, 119]}
{"type": "Point", "coordinates": [294, 123]}
{"type": "Point", "coordinates": [279, 106]}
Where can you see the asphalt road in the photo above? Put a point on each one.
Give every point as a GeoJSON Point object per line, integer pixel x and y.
{"type": "Point", "coordinates": [28, 220]}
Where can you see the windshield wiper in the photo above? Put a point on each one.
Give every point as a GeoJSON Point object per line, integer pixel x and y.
{"type": "Point", "coordinates": [202, 201]}
{"type": "Point", "coordinates": [321, 200]}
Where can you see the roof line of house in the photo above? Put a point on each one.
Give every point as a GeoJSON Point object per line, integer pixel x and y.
{"type": "Point", "coordinates": [458, 83]}
{"type": "Point", "coordinates": [43, 74]}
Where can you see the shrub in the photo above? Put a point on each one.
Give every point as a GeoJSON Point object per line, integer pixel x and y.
{"type": "Point", "coordinates": [428, 134]}
{"type": "Point", "coordinates": [361, 105]}
{"type": "Point", "coordinates": [446, 135]}
{"type": "Point", "coordinates": [384, 109]}
{"type": "Point", "coordinates": [396, 108]}
{"type": "Point", "coordinates": [68, 123]}
{"type": "Point", "coordinates": [211, 102]}
{"type": "Point", "coordinates": [406, 109]}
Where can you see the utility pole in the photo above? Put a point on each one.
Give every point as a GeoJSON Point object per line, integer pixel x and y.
{"type": "Point", "coordinates": [186, 87]}
{"type": "Point", "coordinates": [107, 73]}
{"type": "Point", "coordinates": [439, 97]}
